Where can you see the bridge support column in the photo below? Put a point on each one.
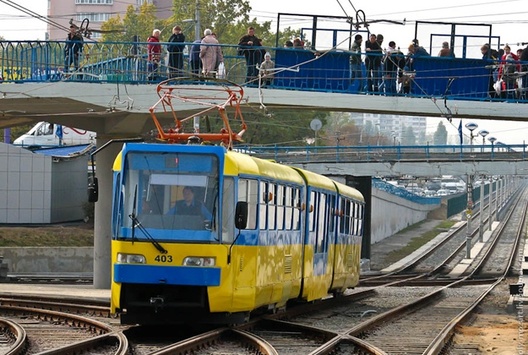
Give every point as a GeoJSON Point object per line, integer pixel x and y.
{"type": "Point", "coordinates": [103, 213]}
{"type": "Point", "coordinates": [364, 185]}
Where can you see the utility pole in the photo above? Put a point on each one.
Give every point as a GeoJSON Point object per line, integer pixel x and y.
{"type": "Point", "coordinates": [481, 209]}
{"type": "Point", "coordinates": [469, 212]}
{"type": "Point", "coordinates": [197, 22]}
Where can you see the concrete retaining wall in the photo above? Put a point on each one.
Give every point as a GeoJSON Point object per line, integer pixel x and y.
{"type": "Point", "coordinates": [396, 214]}
{"type": "Point", "coordinates": [48, 260]}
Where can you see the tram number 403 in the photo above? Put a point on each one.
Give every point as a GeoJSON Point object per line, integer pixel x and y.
{"type": "Point", "coordinates": [163, 258]}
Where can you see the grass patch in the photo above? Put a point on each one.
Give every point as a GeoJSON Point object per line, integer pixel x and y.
{"type": "Point", "coordinates": [418, 241]}
{"type": "Point", "coordinates": [78, 235]}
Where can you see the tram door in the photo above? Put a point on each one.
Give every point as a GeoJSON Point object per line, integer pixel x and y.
{"type": "Point", "coordinates": [320, 225]}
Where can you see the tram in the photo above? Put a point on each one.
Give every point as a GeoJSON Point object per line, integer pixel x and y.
{"type": "Point", "coordinates": [205, 234]}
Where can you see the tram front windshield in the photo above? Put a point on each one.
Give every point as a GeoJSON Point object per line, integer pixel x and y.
{"type": "Point", "coordinates": [170, 196]}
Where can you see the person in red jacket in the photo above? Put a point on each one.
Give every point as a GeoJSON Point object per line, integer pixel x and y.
{"type": "Point", "coordinates": [508, 72]}
{"type": "Point", "coordinates": [154, 54]}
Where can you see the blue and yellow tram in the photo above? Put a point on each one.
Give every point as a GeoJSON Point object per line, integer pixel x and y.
{"type": "Point", "coordinates": [261, 234]}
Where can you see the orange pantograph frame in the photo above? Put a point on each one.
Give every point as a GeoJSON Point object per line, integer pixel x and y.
{"type": "Point", "coordinates": [207, 92]}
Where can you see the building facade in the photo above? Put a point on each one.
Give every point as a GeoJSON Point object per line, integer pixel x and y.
{"type": "Point", "coordinates": [394, 127]}
{"type": "Point", "coordinates": [36, 188]}
{"type": "Point", "coordinates": [62, 12]}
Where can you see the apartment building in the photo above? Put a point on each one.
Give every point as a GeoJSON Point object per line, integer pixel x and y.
{"type": "Point", "coordinates": [96, 11]}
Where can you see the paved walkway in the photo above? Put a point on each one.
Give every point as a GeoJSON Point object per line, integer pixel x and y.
{"type": "Point", "coordinates": [380, 250]}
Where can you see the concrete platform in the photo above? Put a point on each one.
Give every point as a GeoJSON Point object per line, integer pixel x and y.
{"type": "Point", "coordinates": [69, 291]}
{"type": "Point", "coordinates": [475, 250]}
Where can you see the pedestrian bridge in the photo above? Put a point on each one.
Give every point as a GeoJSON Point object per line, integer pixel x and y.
{"type": "Point", "coordinates": [110, 93]}
{"type": "Point", "coordinates": [398, 160]}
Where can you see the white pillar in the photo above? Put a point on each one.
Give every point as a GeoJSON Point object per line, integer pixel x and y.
{"type": "Point", "coordinates": [481, 210]}
{"type": "Point", "coordinates": [490, 204]}
{"type": "Point", "coordinates": [103, 212]}
{"type": "Point", "coordinates": [497, 198]}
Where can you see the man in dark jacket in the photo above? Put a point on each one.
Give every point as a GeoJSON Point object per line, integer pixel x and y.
{"type": "Point", "coordinates": [72, 49]}
{"type": "Point", "coordinates": [373, 63]}
{"type": "Point", "coordinates": [250, 46]}
{"type": "Point", "coordinates": [175, 48]}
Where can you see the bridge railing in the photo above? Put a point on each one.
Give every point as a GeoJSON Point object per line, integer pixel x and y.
{"type": "Point", "coordinates": [403, 193]}
{"type": "Point", "coordinates": [368, 153]}
{"type": "Point", "coordinates": [329, 71]}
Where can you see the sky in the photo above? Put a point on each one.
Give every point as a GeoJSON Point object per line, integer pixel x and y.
{"type": "Point", "coordinates": [509, 20]}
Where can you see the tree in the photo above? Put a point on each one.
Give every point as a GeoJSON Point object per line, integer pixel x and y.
{"type": "Point", "coordinates": [135, 23]}
{"type": "Point", "coordinates": [408, 138]}
{"type": "Point", "coordinates": [287, 128]}
{"type": "Point", "coordinates": [229, 19]}
{"type": "Point", "coordinates": [440, 135]}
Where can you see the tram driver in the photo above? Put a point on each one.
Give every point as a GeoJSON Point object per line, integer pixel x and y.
{"type": "Point", "coordinates": [190, 206]}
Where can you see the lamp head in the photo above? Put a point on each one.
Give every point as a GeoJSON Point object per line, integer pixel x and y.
{"type": "Point", "coordinates": [483, 133]}
{"type": "Point", "coordinates": [471, 126]}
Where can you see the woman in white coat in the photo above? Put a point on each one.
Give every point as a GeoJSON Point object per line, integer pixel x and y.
{"type": "Point", "coordinates": [210, 53]}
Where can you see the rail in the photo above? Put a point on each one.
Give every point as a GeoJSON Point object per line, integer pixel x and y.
{"type": "Point", "coordinates": [297, 69]}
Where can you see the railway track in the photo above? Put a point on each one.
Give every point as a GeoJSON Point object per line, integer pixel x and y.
{"type": "Point", "coordinates": [399, 312]}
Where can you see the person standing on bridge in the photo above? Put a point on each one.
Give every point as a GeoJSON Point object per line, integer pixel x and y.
{"type": "Point", "coordinates": [393, 62]}
{"type": "Point", "coordinates": [73, 49]}
{"type": "Point", "coordinates": [250, 46]}
{"type": "Point", "coordinates": [210, 54]}
{"type": "Point", "coordinates": [176, 48]}
{"type": "Point", "coordinates": [373, 63]}
{"type": "Point", "coordinates": [154, 54]}
{"type": "Point", "coordinates": [356, 72]}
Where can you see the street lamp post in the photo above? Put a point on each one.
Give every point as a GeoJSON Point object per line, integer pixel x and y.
{"type": "Point", "coordinates": [481, 209]}
{"type": "Point", "coordinates": [469, 212]}
{"type": "Point", "coordinates": [471, 126]}
{"type": "Point", "coordinates": [490, 203]}
{"type": "Point", "coordinates": [492, 141]}
{"type": "Point", "coordinates": [379, 132]}
{"type": "Point", "coordinates": [483, 133]}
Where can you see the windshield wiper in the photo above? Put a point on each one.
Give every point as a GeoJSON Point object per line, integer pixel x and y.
{"type": "Point", "coordinates": [137, 223]}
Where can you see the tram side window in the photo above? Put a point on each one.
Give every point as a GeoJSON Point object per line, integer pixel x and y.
{"type": "Point", "coordinates": [263, 204]}
{"type": "Point", "coordinates": [355, 218]}
{"type": "Point", "coordinates": [272, 206]}
{"type": "Point", "coordinates": [248, 192]}
{"type": "Point", "coordinates": [360, 219]}
{"type": "Point", "coordinates": [281, 203]}
{"type": "Point", "coordinates": [346, 207]}
{"type": "Point", "coordinates": [322, 223]}
{"type": "Point", "coordinates": [289, 211]}
{"type": "Point", "coordinates": [314, 201]}
{"type": "Point", "coordinates": [117, 209]}
{"type": "Point", "coordinates": [228, 210]}
{"type": "Point", "coordinates": [330, 213]}
{"type": "Point", "coordinates": [296, 208]}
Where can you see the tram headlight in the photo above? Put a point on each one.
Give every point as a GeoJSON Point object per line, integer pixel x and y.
{"type": "Point", "coordinates": [123, 258]}
{"type": "Point", "coordinates": [199, 261]}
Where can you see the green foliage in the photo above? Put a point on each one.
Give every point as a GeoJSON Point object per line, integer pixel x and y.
{"type": "Point", "coordinates": [417, 241]}
{"type": "Point", "coordinates": [288, 128]}
{"type": "Point", "coordinates": [134, 23]}
{"type": "Point", "coordinates": [221, 16]}
{"type": "Point", "coordinates": [229, 19]}
{"type": "Point", "coordinates": [80, 235]}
